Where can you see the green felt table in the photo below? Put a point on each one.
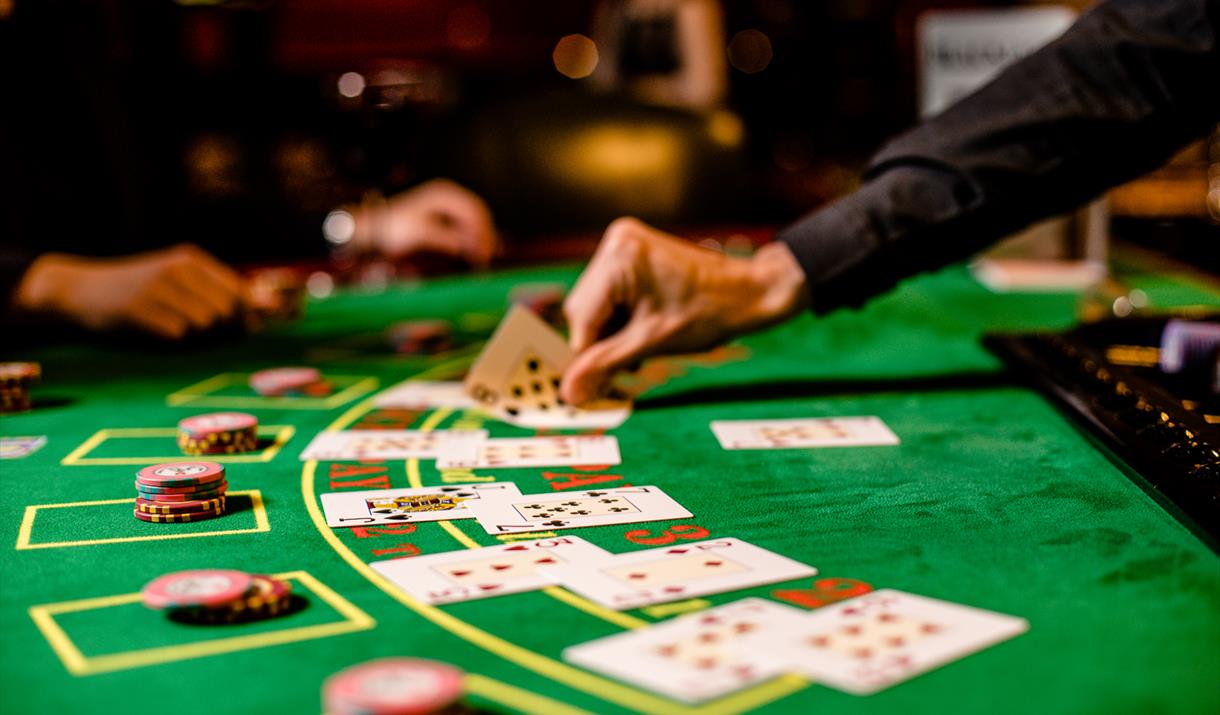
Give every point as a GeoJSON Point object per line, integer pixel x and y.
{"type": "Point", "coordinates": [993, 499]}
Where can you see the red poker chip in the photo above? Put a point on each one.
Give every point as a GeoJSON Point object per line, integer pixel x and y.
{"type": "Point", "coordinates": [158, 497]}
{"type": "Point", "coordinates": [190, 589]}
{"type": "Point", "coordinates": [393, 686]}
{"type": "Point", "coordinates": [180, 474]}
{"type": "Point", "coordinates": [276, 380]}
{"type": "Point", "coordinates": [192, 489]}
{"type": "Point", "coordinates": [150, 506]}
{"type": "Point", "coordinates": [214, 422]}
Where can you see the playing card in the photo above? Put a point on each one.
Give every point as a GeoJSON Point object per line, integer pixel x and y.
{"type": "Point", "coordinates": [425, 394]}
{"type": "Point", "coordinates": [18, 447]}
{"type": "Point", "coordinates": [797, 433]}
{"type": "Point", "coordinates": [695, 657]}
{"type": "Point", "coordinates": [671, 573]}
{"type": "Point", "coordinates": [885, 637]}
{"type": "Point", "coordinates": [490, 571]}
{"type": "Point", "coordinates": [530, 452]}
{"type": "Point", "coordinates": [573, 510]}
{"type": "Point", "coordinates": [395, 506]}
{"type": "Point", "coordinates": [385, 444]}
{"type": "Point", "coordinates": [517, 375]}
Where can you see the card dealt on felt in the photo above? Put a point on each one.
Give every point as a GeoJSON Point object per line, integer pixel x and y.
{"type": "Point", "coordinates": [573, 510]}
{"type": "Point", "coordinates": [426, 394]}
{"type": "Point", "coordinates": [803, 433]}
{"type": "Point", "coordinates": [397, 506]}
{"type": "Point", "coordinates": [490, 571]}
{"type": "Point", "coordinates": [385, 444]}
{"type": "Point", "coordinates": [672, 573]}
{"type": "Point", "coordinates": [517, 376]}
{"type": "Point", "coordinates": [885, 637]}
{"type": "Point", "coordinates": [695, 657]}
{"type": "Point", "coordinates": [558, 451]}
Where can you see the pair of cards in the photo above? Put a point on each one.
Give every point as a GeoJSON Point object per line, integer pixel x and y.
{"type": "Point", "coordinates": [516, 378]}
{"type": "Point", "coordinates": [801, 433]}
{"type": "Point", "coordinates": [859, 646]}
{"type": "Point", "coordinates": [624, 581]}
{"type": "Point", "coordinates": [501, 508]}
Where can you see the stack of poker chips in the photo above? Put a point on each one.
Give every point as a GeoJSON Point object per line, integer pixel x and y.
{"type": "Point", "coordinates": [218, 433]}
{"type": "Point", "coordinates": [177, 492]}
{"type": "Point", "coordinates": [15, 381]}
{"type": "Point", "coordinates": [218, 596]}
{"type": "Point", "coordinates": [394, 686]}
{"type": "Point", "coordinates": [420, 337]}
{"type": "Point", "coordinates": [282, 381]}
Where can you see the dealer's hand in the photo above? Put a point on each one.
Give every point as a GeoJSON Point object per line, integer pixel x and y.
{"type": "Point", "coordinates": [168, 293]}
{"type": "Point", "coordinates": [675, 296]}
{"type": "Point", "coordinates": [438, 216]}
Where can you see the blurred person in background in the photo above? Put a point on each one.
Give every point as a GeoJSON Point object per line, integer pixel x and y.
{"type": "Point", "coordinates": [1130, 83]}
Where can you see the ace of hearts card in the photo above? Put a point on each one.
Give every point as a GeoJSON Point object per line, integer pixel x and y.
{"type": "Point", "coordinates": [398, 506]}
{"type": "Point", "coordinates": [672, 573]}
{"type": "Point", "coordinates": [517, 376]}
{"type": "Point", "coordinates": [465, 575]}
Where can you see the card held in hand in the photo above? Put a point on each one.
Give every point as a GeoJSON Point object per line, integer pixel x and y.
{"type": "Point", "coordinates": [468, 574]}
{"type": "Point", "coordinates": [696, 657]}
{"type": "Point", "coordinates": [397, 506]}
{"type": "Point", "coordinates": [885, 637]}
{"type": "Point", "coordinates": [516, 378]}
{"type": "Point", "coordinates": [672, 573]}
{"type": "Point", "coordinates": [573, 510]}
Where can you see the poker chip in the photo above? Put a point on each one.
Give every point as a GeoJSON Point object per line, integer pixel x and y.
{"type": "Point", "coordinates": [152, 506]}
{"type": "Point", "coordinates": [392, 686]}
{"type": "Point", "coordinates": [420, 337]}
{"type": "Point", "coordinates": [279, 381]}
{"type": "Point", "coordinates": [266, 598]}
{"type": "Point", "coordinates": [180, 492]}
{"type": "Point", "coordinates": [218, 433]}
{"type": "Point", "coordinates": [196, 589]}
{"type": "Point", "coordinates": [172, 475]}
{"type": "Point", "coordinates": [15, 381]}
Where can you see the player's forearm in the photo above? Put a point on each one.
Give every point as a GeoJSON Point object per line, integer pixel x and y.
{"type": "Point", "coordinates": [1114, 97]}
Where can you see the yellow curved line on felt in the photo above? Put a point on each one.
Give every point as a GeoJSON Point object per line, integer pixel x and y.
{"type": "Point", "coordinates": [608, 690]}
{"type": "Point", "coordinates": [515, 697]}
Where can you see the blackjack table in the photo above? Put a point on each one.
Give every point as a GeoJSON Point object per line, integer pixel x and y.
{"type": "Point", "coordinates": [993, 498]}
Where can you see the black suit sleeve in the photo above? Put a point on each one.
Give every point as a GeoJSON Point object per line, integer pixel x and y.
{"type": "Point", "coordinates": [1127, 85]}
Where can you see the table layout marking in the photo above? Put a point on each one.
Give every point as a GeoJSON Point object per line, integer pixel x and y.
{"type": "Point", "coordinates": [281, 434]}
{"type": "Point", "coordinates": [201, 394]}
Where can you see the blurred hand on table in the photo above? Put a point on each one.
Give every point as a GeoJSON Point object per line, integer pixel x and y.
{"type": "Point", "coordinates": [674, 297]}
{"type": "Point", "coordinates": [437, 216]}
{"type": "Point", "coordinates": [169, 293]}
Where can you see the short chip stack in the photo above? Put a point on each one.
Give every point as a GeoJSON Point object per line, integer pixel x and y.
{"type": "Point", "coordinates": [218, 596]}
{"type": "Point", "coordinates": [178, 492]}
{"type": "Point", "coordinates": [394, 686]}
{"type": "Point", "coordinates": [284, 381]}
{"type": "Point", "coordinates": [218, 433]}
{"type": "Point", "coordinates": [15, 381]}
{"type": "Point", "coordinates": [420, 337]}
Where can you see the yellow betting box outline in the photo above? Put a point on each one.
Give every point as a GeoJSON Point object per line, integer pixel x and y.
{"type": "Point", "coordinates": [261, 524]}
{"type": "Point", "coordinates": [202, 394]}
{"type": "Point", "coordinates": [623, 695]}
{"type": "Point", "coordinates": [79, 664]}
{"type": "Point", "coordinates": [280, 434]}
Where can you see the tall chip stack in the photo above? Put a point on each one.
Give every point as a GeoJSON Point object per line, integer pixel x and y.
{"type": "Point", "coordinates": [15, 381]}
{"type": "Point", "coordinates": [218, 433]}
{"type": "Point", "coordinates": [215, 596]}
{"type": "Point", "coordinates": [179, 492]}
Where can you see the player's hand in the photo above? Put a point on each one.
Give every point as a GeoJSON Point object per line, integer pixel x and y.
{"type": "Point", "coordinates": [675, 297]}
{"type": "Point", "coordinates": [437, 216]}
{"type": "Point", "coordinates": [168, 293]}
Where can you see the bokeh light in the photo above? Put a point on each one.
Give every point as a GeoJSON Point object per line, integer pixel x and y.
{"type": "Point", "coordinates": [351, 84]}
{"type": "Point", "coordinates": [339, 227]}
{"type": "Point", "coordinates": [750, 51]}
{"type": "Point", "coordinates": [575, 56]}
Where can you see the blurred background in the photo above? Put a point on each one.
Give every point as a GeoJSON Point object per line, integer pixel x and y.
{"type": "Point", "coordinates": [247, 125]}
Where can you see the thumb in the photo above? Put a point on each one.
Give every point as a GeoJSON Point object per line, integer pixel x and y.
{"type": "Point", "coordinates": [591, 372]}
